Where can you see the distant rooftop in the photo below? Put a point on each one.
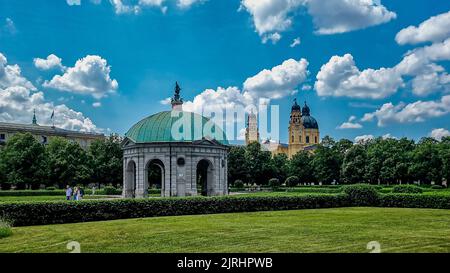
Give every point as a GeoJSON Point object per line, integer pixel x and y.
{"type": "Point", "coordinates": [41, 129]}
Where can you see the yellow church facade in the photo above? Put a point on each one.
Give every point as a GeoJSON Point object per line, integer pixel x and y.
{"type": "Point", "coordinates": [303, 132]}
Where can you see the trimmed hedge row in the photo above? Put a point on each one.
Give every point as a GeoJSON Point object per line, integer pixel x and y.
{"type": "Point", "coordinates": [45, 213]}
{"type": "Point", "coordinates": [56, 192]}
{"type": "Point", "coordinates": [414, 201]}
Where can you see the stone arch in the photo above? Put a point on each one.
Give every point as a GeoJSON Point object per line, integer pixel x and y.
{"type": "Point", "coordinates": [130, 179]}
{"type": "Point", "coordinates": [155, 164]}
{"type": "Point", "coordinates": [205, 177]}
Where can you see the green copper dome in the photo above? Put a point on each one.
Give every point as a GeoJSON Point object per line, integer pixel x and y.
{"type": "Point", "coordinates": [158, 128]}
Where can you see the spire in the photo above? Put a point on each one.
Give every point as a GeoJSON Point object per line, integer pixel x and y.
{"type": "Point", "coordinates": [295, 106]}
{"type": "Point", "coordinates": [177, 101]}
{"type": "Point", "coordinates": [34, 117]}
{"type": "Point", "coordinates": [306, 111]}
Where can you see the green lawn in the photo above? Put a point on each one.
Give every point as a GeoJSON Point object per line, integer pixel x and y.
{"type": "Point", "coordinates": [318, 230]}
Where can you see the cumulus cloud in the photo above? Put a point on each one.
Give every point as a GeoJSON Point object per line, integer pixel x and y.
{"type": "Point", "coordinates": [435, 29]}
{"type": "Point", "coordinates": [97, 104]}
{"type": "Point", "coordinates": [280, 81]}
{"type": "Point", "coordinates": [52, 61]}
{"type": "Point", "coordinates": [183, 4]}
{"type": "Point", "coordinates": [363, 138]}
{"type": "Point", "coordinates": [73, 2]}
{"type": "Point", "coordinates": [415, 112]}
{"type": "Point", "coordinates": [439, 133]}
{"type": "Point", "coordinates": [8, 26]}
{"type": "Point", "coordinates": [341, 78]}
{"type": "Point", "coordinates": [89, 76]}
{"type": "Point", "coordinates": [329, 17]}
{"type": "Point", "coordinates": [10, 75]}
{"type": "Point", "coordinates": [350, 124]}
{"type": "Point", "coordinates": [18, 98]}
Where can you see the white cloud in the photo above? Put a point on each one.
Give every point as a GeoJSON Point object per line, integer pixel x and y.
{"type": "Point", "coordinates": [435, 29]}
{"type": "Point", "coordinates": [295, 42]}
{"type": "Point", "coordinates": [331, 16]}
{"type": "Point", "coordinates": [18, 98]}
{"type": "Point", "coordinates": [350, 124]}
{"type": "Point", "coordinates": [184, 4]}
{"type": "Point", "coordinates": [363, 138]}
{"type": "Point", "coordinates": [89, 76]}
{"type": "Point", "coordinates": [341, 78]}
{"type": "Point", "coordinates": [280, 81]}
{"type": "Point", "coordinates": [10, 75]}
{"type": "Point", "coordinates": [73, 2]}
{"type": "Point", "coordinates": [52, 61]}
{"type": "Point", "coordinates": [97, 104]}
{"type": "Point", "coordinates": [439, 133]}
{"type": "Point", "coordinates": [339, 16]}
{"type": "Point", "coordinates": [415, 112]}
{"type": "Point", "coordinates": [9, 26]}
{"type": "Point", "coordinates": [273, 37]}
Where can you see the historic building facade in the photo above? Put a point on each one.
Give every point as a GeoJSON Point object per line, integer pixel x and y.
{"type": "Point", "coordinates": [44, 134]}
{"type": "Point", "coordinates": [252, 132]}
{"type": "Point", "coordinates": [303, 133]}
{"type": "Point", "coordinates": [189, 152]}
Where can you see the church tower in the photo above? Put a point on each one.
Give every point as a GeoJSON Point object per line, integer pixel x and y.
{"type": "Point", "coordinates": [295, 130]}
{"type": "Point", "coordinates": [252, 132]}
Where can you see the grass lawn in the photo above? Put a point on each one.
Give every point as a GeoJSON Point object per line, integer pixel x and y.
{"type": "Point", "coordinates": [44, 198]}
{"type": "Point", "coordinates": [318, 230]}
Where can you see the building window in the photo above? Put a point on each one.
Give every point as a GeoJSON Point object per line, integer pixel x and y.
{"type": "Point", "coordinates": [181, 162]}
{"type": "Point", "coordinates": [2, 136]}
{"type": "Point", "coordinates": [315, 139]}
{"type": "Point", "coordinates": [44, 139]}
{"type": "Point", "coordinates": [300, 139]}
{"type": "Point", "coordinates": [307, 139]}
{"type": "Point", "coordinates": [292, 138]}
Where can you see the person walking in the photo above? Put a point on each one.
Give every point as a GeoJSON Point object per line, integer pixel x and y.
{"type": "Point", "coordinates": [75, 193]}
{"type": "Point", "coordinates": [80, 193]}
{"type": "Point", "coordinates": [69, 192]}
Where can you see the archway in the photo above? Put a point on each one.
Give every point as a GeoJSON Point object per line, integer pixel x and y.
{"type": "Point", "coordinates": [155, 176]}
{"type": "Point", "coordinates": [204, 177]}
{"type": "Point", "coordinates": [130, 186]}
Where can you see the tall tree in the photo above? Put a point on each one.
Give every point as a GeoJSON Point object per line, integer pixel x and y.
{"type": "Point", "coordinates": [353, 167]}
{"type": "Point", "coordinates": [300, 165]}
{"type": "Point", "coordinates": [106, 159]}
{"type": "Point", "coordinates": [68, 163]}
{"type": "Point", "coordinates": [325, 163]}
{"type": "Point", "coordinates": [427, 164]}
{"type": "Point", "coordinates": [258, 164]}
{"type": "Point", "coordinates": [237, 164]}
{"type": "Point", "coordinates": [23, 161]}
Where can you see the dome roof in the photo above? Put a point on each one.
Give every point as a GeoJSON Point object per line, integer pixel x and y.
{"type": "Point", "coordinates": [158, 128]}
{"type": "Point", "coordinates": [295, 106]}
{"type": "Point", "coordinates": [309, 122]}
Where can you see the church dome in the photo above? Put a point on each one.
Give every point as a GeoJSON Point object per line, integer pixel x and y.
{"type": "Point", "coordinates": [309, 122]}
{"type": "Point", "coordinates": [157, 128]}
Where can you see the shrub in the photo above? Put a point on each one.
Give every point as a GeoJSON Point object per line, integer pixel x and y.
{"type": "Point", "coordinates": [50, 188]}
{"type": "Point", "coordinates": [32, 193]}
{"type": "Point", "coordinates": [415, 201]}
{"type": "Point", "coordinates": [45, 213]}
{"type": "Point", "coordinates": [5, 229]}
{"type": "Point", "coordinates": [274, 183]}
{"type": "Point", "coordinates": [292, 181]}
{"type": "Point", "coordinates": [362, 194]}
{"type": "Point", "coordinates": [437, 187]}
{"type": "Point", "coordinates": [406, 189]}
{"type": "Point", "coordinates": [239, 184]}
{"type": "Point", "coordinates": [110, 190]}
{"type": "Point", "coordinates": [5, 186]}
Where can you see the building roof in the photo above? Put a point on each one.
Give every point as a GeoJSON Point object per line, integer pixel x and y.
{"type": "Point", "coordinates": [158, 128]}
{"type": "Point", "coordinates": [45, 130]}
{"type": "Point", "coordinates": [309, 122]}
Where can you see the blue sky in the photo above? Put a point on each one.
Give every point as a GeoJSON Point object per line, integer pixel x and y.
{"type": "Point", "coordinates": [215, 43]}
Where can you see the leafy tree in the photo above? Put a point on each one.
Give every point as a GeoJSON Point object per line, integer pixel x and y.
{"type": "Point", "coordinates": [326, 163]}
{"type": "Point", "coordinates": [353, 167]}
{"type": "Point", "coordinates": [237, 164]}
{"type": "Point", "coordinates": [426, 162]}
{"type": "Point", "coordinates": [68, 163]}
{"type": "Point", "coordinates": [106, 159]}
{"type": "Point", "coordinates": [258, 164]}
{"type": "Point", "coordinates": [23, 161]}
{"type": "Point", "coordinates": [300, 166]}
{"type": "Point", "coordinates": [444, 153]}
{"type": "Point", "coordinates": [280, 166]}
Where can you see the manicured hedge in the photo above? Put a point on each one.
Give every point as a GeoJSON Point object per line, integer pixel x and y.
{"type": "Point", "coordinates": [44, 213]}
{"type": "Point", "coordinates": [414, 201]}
{"type": "Point", "coordinates": [407, 189]}
{"type": "Point", "coordinates": [57, 192]}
